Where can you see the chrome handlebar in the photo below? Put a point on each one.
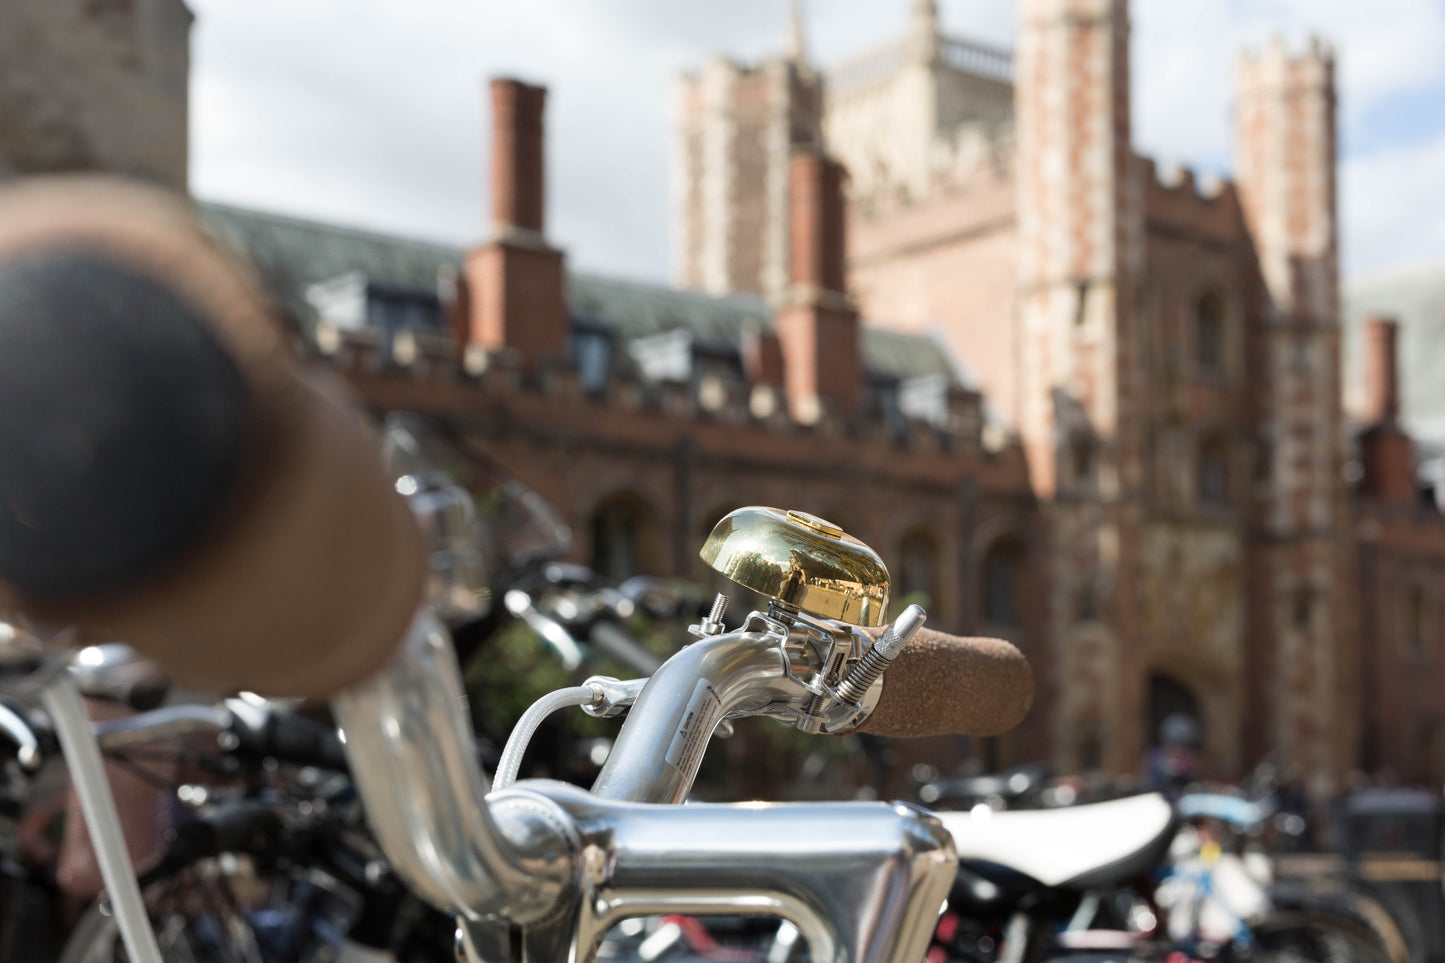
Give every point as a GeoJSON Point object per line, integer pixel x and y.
{"type": "Point", "coordinates": [863, 881]}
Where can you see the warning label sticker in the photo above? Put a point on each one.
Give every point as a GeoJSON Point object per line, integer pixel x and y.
{"type": "Point", "coordinates": [703, 711]}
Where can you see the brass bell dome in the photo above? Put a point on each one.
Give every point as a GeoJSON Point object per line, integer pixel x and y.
{"type": "Point", "coordinates": [803, 561]}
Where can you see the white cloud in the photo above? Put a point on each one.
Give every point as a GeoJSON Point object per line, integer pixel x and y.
{"type": "Point", "coordinates": [373, 112]}
{"type": "Point", "coordinates": [1393, 206]}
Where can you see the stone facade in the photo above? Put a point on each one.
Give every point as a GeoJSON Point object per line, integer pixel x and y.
{"type": "Point", "coordinates": [95, 85]}
{"type": "Point", "coordinates": [1167, 354]}
{"type": "Point", "coordinates": [736, 127]}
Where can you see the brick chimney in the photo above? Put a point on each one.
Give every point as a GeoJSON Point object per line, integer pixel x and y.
{"type": "Point", "coordinates": [515, 282]}
{"type": "Point", "coordinates": [762, 357]}
{"type": "Point", "coordinates": [1382, 384]}
{"type": "Point", "coordinates": [1386, 452]}
{"type": "Point", "coordinates": [817, 325]}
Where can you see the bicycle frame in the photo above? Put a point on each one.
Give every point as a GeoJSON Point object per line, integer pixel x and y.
{"type": "Point", "coordinates": [863, 882]}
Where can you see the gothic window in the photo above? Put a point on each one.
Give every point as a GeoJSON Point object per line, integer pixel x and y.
{"type": "Point", "coordinates": [1086, 604]}
{"type": "Point", "coordinates": [1209, 331]}
{"type": "Point", "coordinates": [1081, 456]}
{"type": "Point", "coordinates": [1304, 608]}
{"type": "Point", "coordinates": [1263, 459]}
{"type": "Point", "coordinates": [1213, 473]}
{"type": "Point", "coordinates": [918, 569]}
{"type": "Point", "coordinates": [1002, 582]}
{"type": "Point", "coordinates": [623, 529]}
{"type": "Point", "coordinates": [1415, 621]}
{"type": "Point", "coordinates": [1301, 355]}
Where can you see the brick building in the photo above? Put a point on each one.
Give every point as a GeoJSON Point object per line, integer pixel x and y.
{"type": "Point", "coordinates": [1166, 352]}
{"type": "Point", "coordinates": [939, 298]}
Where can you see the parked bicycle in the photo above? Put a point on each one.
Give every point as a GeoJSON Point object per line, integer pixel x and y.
{"type": "Point", "coordinates": [229, 517]}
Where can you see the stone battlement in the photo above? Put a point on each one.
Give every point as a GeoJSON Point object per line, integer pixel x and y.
{"type": "Point", "coordinates": [458, 380]}
{"type": "Point", "coordinates": [1176, 195]}
{"type": "Point", "coordinates": [1275, 66]}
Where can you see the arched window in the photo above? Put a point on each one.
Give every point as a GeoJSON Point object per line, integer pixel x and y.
{"type": "Point", "coordinates": [1415, 621]}
{"type": "Point", "coordinates": [1003, 569]}
{"type": "Point", "coordinates": [1304, 608]}
{"type": "Point", "coordinates": [624, 530]}
{"type": "Point", "coordinates": [1209, 331]}
{"type": "Point", "coordinates": [1081, 456]}
{"type": "Point", "coordinates": [918, 570]}
{"type": "Point", "coordinates": [1212, 475]}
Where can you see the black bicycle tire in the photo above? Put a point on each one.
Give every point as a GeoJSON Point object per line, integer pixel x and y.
{"type": "Point", "coordinates": [1356, 939]}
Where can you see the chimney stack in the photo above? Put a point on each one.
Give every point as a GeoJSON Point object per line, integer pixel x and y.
{"type": "Point", "coordinates": [818, 325]}
{"type": "Point", "coordinates": [1387, 454]}
{"type": "Point", "coordinates": [1382, 384]}
{"type": "Point", "coordinates": [519, 189]}
{"type": "Point", "coordinates": [514, 285]}
{"type": "Point", "coordinates": [816, 222]}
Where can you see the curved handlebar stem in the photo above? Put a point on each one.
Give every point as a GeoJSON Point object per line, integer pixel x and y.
{"type": "Point", "coordinates": [657, 753]}
{"type": "Point", "coordinates": [410, 747]}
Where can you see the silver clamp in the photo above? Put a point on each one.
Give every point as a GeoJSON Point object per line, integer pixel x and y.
{"type": "Point", "coordinates": [611, 696]}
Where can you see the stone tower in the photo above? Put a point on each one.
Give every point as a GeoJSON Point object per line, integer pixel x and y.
{"type": "Point", "coordinates": [95, 85]}
{"type": "Point", "coordinates": [737, 126]}
{"type": "Point", "coordinates": [1080, 259]}
{"type": "Point", "coordinates": [903, 116]}
{"type": "Point", "coordinates": [1285, 143]}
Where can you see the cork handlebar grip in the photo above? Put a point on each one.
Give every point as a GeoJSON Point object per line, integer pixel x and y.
{"type": "Point", "coordinates": [947, 684]}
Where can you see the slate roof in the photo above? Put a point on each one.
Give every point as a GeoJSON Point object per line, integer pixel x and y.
{"type": "Point", "coordinates": [1416, 297]}
{"type": "Point", "coordinates": [294, 253]}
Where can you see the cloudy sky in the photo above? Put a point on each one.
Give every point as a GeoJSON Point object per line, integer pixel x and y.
{"type": "Point", "coordinates": [371, 112]}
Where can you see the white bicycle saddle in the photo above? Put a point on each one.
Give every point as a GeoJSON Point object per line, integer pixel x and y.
{"type": "Point", "coordinates": [1076, 847]}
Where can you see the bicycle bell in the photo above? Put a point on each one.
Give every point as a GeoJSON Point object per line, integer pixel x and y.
{"type": "Point", "coordinates": [801, 561]}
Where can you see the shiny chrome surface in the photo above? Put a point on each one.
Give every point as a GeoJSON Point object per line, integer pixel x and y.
{"type": "Point", "coordinates": [802, 561]}
{"type": "Point", "coordinates": [548, 629]}
{"type": "Point", "coordinates": [611, 696]}
{"type": "Point", "coordinates": [412, 755]}
{"type": "Point", "coordinates": [864, 882]}
{"type": "Point", "coordinates": [661, 744]}
{"type": "Point", "coordinates": [61, 698]}
{"type": "Point", "coordinates": [113, 671]}
{"type": "Point", "coordinates": [159, 725]}
{"type": "Point", "coordinates": [18, 731]}
{"type": "Point", "coordinates": [554, 866]}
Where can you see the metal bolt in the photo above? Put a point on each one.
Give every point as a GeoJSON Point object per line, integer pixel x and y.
{"type": "Point", "coordinates": [712, 625]}
{"type": "Point", "coordinates": [884, 651]}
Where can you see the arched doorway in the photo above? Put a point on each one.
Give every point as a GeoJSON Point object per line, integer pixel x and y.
{"type": "Point", "coordinates": [1170, 697]}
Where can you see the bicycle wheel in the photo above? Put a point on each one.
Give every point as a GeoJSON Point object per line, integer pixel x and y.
{"type": "Point", "coordinates": [1316, 936]}
{"type": "Point", "coordinates": [228, 908]}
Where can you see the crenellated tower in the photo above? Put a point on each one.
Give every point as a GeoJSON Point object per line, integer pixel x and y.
{"type": "Point", "coordinates": [1080, 254]}
{"type": "Point", "coordinates": [737, 126]}
{"type": "Point", "coordinates": [1286, 171]}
